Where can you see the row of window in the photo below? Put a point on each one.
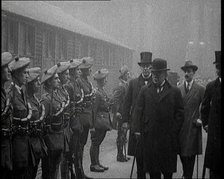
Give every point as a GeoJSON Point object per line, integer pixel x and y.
{"type": "Point", "coordinates": [19, 39]}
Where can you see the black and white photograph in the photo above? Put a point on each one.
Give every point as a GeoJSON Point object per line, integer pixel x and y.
{"type": "Point", "coordinates": [111, 89]}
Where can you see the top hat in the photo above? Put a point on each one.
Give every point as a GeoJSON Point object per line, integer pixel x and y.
{"type": "Point", "coordinates": [217, 57]}
{"type": "Point", "coordinates": [19, 63]}
{"type": "Point", "coordinates": [159, 64]}
{"type": "Point", "coordinates": [189, 64]}
{"type": "Point", "coordinates": [86, 62]}
{"type": "Point", "coordinates": [123, 70]}
{"type": "Point", "coordinates": [33, 74]}
{"type": "Point", "coordinates": [62, 66]}
{"type": "Point", "coordinates": [6, 58]}
{"type": "Point", "coordinates": [100, 74]}
{"type": "Point", "coordinates": [146, 57]}
{"type": "Point", "coordinates": [49, 73]}
{"type": "Point", "coordinates": [74, 63]}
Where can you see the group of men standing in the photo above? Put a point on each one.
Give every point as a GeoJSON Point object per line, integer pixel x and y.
{"type": "Point", "coordinates": [53, 128]}
{"type": "Point", "coordinates": [166, 121]}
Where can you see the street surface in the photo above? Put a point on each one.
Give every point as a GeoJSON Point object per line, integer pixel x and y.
{"type": "Point", "coordinates": [108, 152]}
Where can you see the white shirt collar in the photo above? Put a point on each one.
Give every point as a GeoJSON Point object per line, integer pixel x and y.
{"type": "Point", "coordinates": [220, 79]}
{"type": "Point", "coordinates": [162, 83]}
{"type": "Point", "coordinates": [190, 83]}
{"type": "Point", "coordinates": [145, 78]}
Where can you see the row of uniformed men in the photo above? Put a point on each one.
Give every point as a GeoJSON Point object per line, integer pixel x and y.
{"type": "Point", "coordinates": [34, 129]}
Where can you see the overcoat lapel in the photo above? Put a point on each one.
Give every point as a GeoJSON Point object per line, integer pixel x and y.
{"type": "Point", "coordinates": [190, 93]}
{"type": "Point", "coordinates": [165, 91]}
{"type": "Point", "coordinates": [153, 93]}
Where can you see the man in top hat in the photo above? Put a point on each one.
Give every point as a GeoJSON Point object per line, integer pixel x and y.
{"type": "Point", "coordinates": [22, 113]}
{"type": "Point", "coordinates": [190, 137]}
{"type": "Point", "coordinates": [211, 119]}
{"type": "Point", "coordinates": [118, 98]}
{"type": "Point", "coordinates": [158, 118]}
{"type": "Point", "coordinates": [6, 110]}
{"type": "Point", "coordinates": [129, 105]}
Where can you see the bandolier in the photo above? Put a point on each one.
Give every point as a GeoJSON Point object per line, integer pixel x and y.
{"type": "Point", "coordinates": [38, 147]}
{"type": "Point", "coordinates": [22, 113]}
{"type": "Point", "coordinates": [54, 137]}
{"type": "Point", "coordinates": [76, 95]}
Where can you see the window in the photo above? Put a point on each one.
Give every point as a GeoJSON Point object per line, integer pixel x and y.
{"type": "Point", "coordinates": [62, 47]}
{"type": "Point", "coordinates": [10, 36]}
{"type": "Point", "coordinates": [105, 55]}
{"type": "Point", "coordinates": [27, 39]}
{"type": "Point", "coordinates": [92, 49]}
{"type": "Point", "coordinates": [99, 54]}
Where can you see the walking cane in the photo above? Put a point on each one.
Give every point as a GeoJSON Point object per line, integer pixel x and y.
{"type": "Point", "coordinates": [133, 163]}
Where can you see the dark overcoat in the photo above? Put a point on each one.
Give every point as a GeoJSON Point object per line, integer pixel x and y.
{"type": "Point", "coordinates": [159, 118]}
{"type": "Point", "coordinates": [130, 101]}
{"type": "Point", "coordinates": [190, 137]}
{"type": "Point", "coordinates": [211, 116]}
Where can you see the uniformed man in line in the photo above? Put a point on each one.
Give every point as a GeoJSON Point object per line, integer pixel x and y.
{"type": "Point", "coordinates": [86, 85]}
{"type": "Point", "coordinates": [118, 99]}
{"type": "Point", "coordinates": [211, 119]}
{"type": "Point", "coordinates": [76, 95]}
{"type": "Point", "coordinates": [190, 137]}
{"type": "Point", "coordinates": [101, 120]}
{"type": "Point", "coordinates": [6, 119]}
{"type": "Point", "coordinates": [63, 73]}
{"type": "Point", "coordinates": [129, 105]}
{"type": "Point", "coordinates": [54, 126]}
{"type": "Point", "coordinates": [22, 113]}
{"type": "Point", "coordinates": [38, 146]}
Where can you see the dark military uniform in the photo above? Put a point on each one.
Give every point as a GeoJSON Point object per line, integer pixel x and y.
{"type": "Point", "coordinates": [6, 145]}
{"type": "Point", "coordinates": [119, 95]}
{"type": "Point", "coordinates": [37, 144]}
{"type": "Point", "coordinates": [86, 115]}
{"type": "Point", "coordinates": [100, 120]}
{"type": "Point", "coordinates": [54, 137]}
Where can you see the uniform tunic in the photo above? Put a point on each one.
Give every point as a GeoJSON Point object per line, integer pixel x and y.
{"type": "Point", "coordinates": [6, 145]}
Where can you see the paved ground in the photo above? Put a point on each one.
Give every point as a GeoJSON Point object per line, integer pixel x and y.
{"type": "Point", "coordinates": [122, 170]}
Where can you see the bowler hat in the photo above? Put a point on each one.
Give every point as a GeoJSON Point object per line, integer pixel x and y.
{"type": "Point", "coordinates": [62, 66]}
{"type": "Point", "coordinates": [74, 63]}
{"type": "Point", "coordinates": [123, 70]}
{"type": "Point", "coordinates": [6, 58]}
{"type": "Point", "coordinates": [100, 74]}
{"type": "Point", "coordinates": [146, 58]}
{"type": "Point", "coordinates": [217, 57]}
{"type": "Point", "coordinates": [19, 63]}
{"type": "Point", "coordinates": [159, 64]}
{"type": "Point", "coordinates": [33, 73]}
{"type": "Point", "coordinates": [86, 62]}
{"type": "Point", "coordinates": [189, 64]}
{"type": "Point", "coordinates": [49, 73]}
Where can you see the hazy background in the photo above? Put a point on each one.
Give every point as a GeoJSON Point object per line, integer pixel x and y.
{"type": "Point", "coordinates": [176, 30]}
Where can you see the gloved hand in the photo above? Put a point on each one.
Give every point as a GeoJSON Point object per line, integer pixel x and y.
{"type": "Point", "coordinates": [118, 115]}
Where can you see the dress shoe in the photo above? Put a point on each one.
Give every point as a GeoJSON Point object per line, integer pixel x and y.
{"type": "Point", "coordinates": [105, 168]}
{"type": "Point", "coordinates": [128, 158]}
{"type": "Point", "coordinates": [121, 159]}
{"type": "Point", "coordinates": [96, 168]}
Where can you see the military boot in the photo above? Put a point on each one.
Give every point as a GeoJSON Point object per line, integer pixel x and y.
{"type": "Point", "coordinates": [98, 161]}
{"type": "Point", "coordinates": [94, 167]}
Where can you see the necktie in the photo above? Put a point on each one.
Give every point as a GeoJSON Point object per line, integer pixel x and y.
{"type": "Point", "coordinates": [146, 82]}
{"type": "Point", "coordinates": [188, 87]}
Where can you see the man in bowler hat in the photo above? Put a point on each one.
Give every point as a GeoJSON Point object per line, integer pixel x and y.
{"type": "Point", "coordinates": [211, 119]}
{"type": "Point", "coordinates": [129, 105]}
{"type": "Point", "coordinates": [158, 117]}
